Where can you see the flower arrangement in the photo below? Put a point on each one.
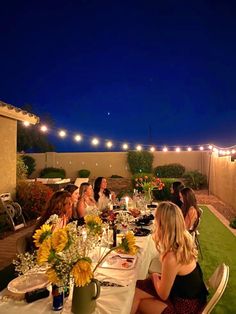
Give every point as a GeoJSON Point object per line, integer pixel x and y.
{"type": "Point", "coordinates": [66, 251]}
{"type": "Point", "coordinates": [149, 183]}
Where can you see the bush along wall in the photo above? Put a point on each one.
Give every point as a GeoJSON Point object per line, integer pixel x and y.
{"type": "Point", "coordinates": [52, 172]}
{"type": "Point", "coordinates": [164, 194]}
{"type": "Point", "coordinates": [140, 162]}
{"type": "Point", "coordinates": [169, 171]}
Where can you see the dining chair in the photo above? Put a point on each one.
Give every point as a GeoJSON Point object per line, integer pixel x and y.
{"type": "Point", "coordinates": [216, 285]}
{"type": "Point", "coordinates": [23, 243]}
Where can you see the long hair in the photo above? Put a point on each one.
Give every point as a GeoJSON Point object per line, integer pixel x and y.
{"type": "Point", "coordinates": [71, 188]}
{"type": "Point", "coordinates": [189, 200]}
{"type": "Point", "coordinates": [56, 205]}
{"type": "Point", "coordinates": [171, 234]}
{"type": "Point", "coordinates": [177, 187]}
{"type": "Point", "coordinates": [96, 189]}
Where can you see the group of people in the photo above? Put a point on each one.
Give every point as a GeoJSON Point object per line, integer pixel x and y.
{"type": "Point", "coordinates": [179, 288]}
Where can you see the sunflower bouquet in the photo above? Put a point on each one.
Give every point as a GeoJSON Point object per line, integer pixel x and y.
{"type": "Point", "coordinates": [66, 252]}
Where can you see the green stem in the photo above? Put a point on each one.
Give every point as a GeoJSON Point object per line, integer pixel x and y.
{"type": "Point", "coordinates": [103, 257]}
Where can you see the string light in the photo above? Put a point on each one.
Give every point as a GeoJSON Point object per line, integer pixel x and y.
{"type": "Point", "coordinates": [95, 141]}
{"type": "Point", "coordinates": [227, 151]}
{"type": "Point", "coordinates": [44, 128]}
{"type": "Point", "coordinates": [109, 144]}
{"type": "Point", "coordinates": [62, 133]}
{"type": "Point", "coordinates": [26, 123]}
{"type": "Point", "coordinates": [78, 138]}
{"type": "Point", "coordinates": [125, 146]}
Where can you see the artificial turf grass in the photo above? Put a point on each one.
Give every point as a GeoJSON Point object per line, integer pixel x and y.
{"type": "Point", "coordinates": [218, 246]}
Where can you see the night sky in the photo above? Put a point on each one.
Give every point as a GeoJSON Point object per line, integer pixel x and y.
{"type": "Point", "coordinates": [150, 72]}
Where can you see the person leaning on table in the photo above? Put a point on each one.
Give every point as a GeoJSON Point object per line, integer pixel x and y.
{"type": "Point", "coordinates": [180, 287]}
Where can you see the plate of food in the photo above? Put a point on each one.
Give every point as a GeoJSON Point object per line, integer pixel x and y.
{"type": "Point", "coordinates": [119, 261]}
{"type": "Point", "coordinates": [141, 232]}
{"type": "Point", "coordinates": [27, 283]}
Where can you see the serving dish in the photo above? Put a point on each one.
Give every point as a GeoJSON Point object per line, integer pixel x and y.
{"type": "Point", "coordinates": [28, 282]}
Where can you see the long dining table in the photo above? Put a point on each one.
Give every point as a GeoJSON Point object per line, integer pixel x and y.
{"type": "Point", "coordinates": [112, 300]}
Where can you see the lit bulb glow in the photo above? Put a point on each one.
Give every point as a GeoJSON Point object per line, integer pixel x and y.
{"type": "Point", "coordinates": [139, 147]}
{"type": "Point", "coordinates": [152, 149]}
{"type": "Point", "coordinates": [165, 149]}
{"type": "Point", "coordinates": [177, 149]}
{"type": "Point", "coordinates": [26, 123]}
{"type": "Point", "coordinates": [44, 128]}
{"type": "Point", "coordinates": [210, 146]}
{"type": "Point", "coordinates": [78, 138]}
{"type": "Point", "coordinates": [125, 146]}
{"type": "Point", "coordinates": [62, 133]}
{"type": "Point", "coordinates": [233, 151]}
{"type": "Point", "coordinates": [95, 141]}
{"type": "Point", "coordinates": [189, 149]}
{"type": "Point", "coordinates": [201, 148]}
{"type": "Point", "coordinates": [109, 144]}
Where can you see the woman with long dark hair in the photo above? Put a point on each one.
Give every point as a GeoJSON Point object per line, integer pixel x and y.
{"type": "Point", "coordinates": [190, 209]}
{"type": "Point", "coordinates": [176, 187]}
{"type": "Point", "coordinates": [101, 193]}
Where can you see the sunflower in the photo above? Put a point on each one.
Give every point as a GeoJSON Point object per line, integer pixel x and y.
{"type": "Point", "coordinates": [59, 239]}
{"type": "Point", "coordinates": [128, 244]}
{"type": "Point", "coordinates": [41, 234]}
{"type": "Point", "coordinates": [82, 272]}
{"type": "Point", "coordinates": [52, 276]}
{"type": "Point", "coordinates": [43, 254]}
{"type": "Point", "coordinates": [93, 223]}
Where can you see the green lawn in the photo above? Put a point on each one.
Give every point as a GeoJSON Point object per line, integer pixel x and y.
{"type": "Point", "coordinates": [218, 245]}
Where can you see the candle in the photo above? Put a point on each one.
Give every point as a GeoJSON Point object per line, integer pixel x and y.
{"type": "Point", "coordinates": [126, 202]}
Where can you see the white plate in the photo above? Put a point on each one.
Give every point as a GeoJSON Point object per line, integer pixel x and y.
{"type": "Point", "coordinates": [120, 261]}
{"type": "Point", "coordinates": [27, 283]}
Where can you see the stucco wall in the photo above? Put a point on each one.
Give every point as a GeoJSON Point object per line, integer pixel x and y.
{"type": "Point", "coordinates": [223, 179]}
{"type": "Point", "coordinates": [7, 155]}
{"type": "Point", "coordinates": [109, 163]}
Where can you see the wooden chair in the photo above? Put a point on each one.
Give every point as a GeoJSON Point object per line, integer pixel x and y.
{"type": "Point", "coordinates": [216, 284]}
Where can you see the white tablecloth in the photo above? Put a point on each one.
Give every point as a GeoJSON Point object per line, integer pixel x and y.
{"type": "Point", "coordinates": [112, 300]}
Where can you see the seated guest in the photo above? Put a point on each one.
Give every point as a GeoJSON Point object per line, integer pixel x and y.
{"type": "Point", "coordinates": [86, 202]}
{"type": "Point", "coordinates": [175, 193]}
{"type": "Point", "coordinates": [190, 209]}
{"type": "Point", "coordinates": [101, 194]}
{"type": "Point", "coordinates": [60, 204]}
{"type": "Point", "coordinates": [74, 191]}
{"type": "Point", "coordinates": [180, 287]}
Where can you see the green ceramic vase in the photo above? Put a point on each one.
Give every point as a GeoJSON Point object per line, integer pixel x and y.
{"type": "Point", "coordinates": [84, 298]}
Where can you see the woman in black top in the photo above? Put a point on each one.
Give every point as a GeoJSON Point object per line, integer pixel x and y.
{"type": "Point", "coordinates": [176, 187]}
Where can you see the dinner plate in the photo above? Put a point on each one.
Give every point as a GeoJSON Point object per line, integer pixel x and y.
{"type": "Point", "coordinates": [120, 261]}
{"type": "Point", "coordinates": [27, 283]}
{"type": "Point", "coordinates": [141, 232]}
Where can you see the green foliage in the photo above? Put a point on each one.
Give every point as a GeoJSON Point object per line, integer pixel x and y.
{"type": "Point", "coordinates": [52, 172]}
{"type": "Point", "coordinates": [164, 194]}
{"type": "Point", "coordinates": [169, 171]}
{"type": "Point", "coordinates": [140, 162]}
{"type": "Point", "coordinates": [116, 176]}
{"type": "Point", "coordinates": [21, 169]}
{"type": "Point", "coordinates": [195, 179]}
{"type": "Point", "coordinates": [233, 223]}
{"type": "Point", "coordinates": [30, 164]}
{"type": "Point", "coordinates": [83, 173]}
{"type": "Point", "coordinates": [218, 246]}
{"type": "Point", "coordinates": [32, 196]}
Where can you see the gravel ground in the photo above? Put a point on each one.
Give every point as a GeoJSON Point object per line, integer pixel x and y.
{"type": "Point", "coordinates": [227, 211]}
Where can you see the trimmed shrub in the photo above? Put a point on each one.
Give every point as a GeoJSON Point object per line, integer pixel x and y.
{"type": "Point", "coordinates": [164, 194]}
{"type": "Point", "coordinates": [32, 196]}
{"type": "Point", "coordinates": [140, 162]}
{"type": "Point", "coordinates": [30, 164]}
{"type": "Point", "coordinates": [195, 179]}
{"type": "Point", "coordinates": [233, 223]}
{"type": "Point", "coordinates": [21, 169]}
{"type": "Point", "coordinates": [169, 171]}
{"type": "Point", "coordinates": [83, 173]}
{"type": "Point", "coordinates": [52, 172]}
{"type": "Point", "coordinates": [116, 176]}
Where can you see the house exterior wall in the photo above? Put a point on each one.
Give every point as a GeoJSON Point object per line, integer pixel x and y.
{"type": "Point", "coordinates": [8, 129]}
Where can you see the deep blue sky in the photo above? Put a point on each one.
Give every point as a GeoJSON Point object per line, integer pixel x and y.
{"type": "Point", "coordinates": [164, 70]}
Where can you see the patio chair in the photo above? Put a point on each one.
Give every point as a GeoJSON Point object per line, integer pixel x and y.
{"type": "Point", "coordinates": [216, 284]}
{"type": "Point", "coordinates": [24, 243]}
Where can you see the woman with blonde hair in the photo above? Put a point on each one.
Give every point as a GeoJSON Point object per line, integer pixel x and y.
{"type": "Point", "coordinates": [180, 288]}
{"type": "Point", "coordinates": [86, 202]}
